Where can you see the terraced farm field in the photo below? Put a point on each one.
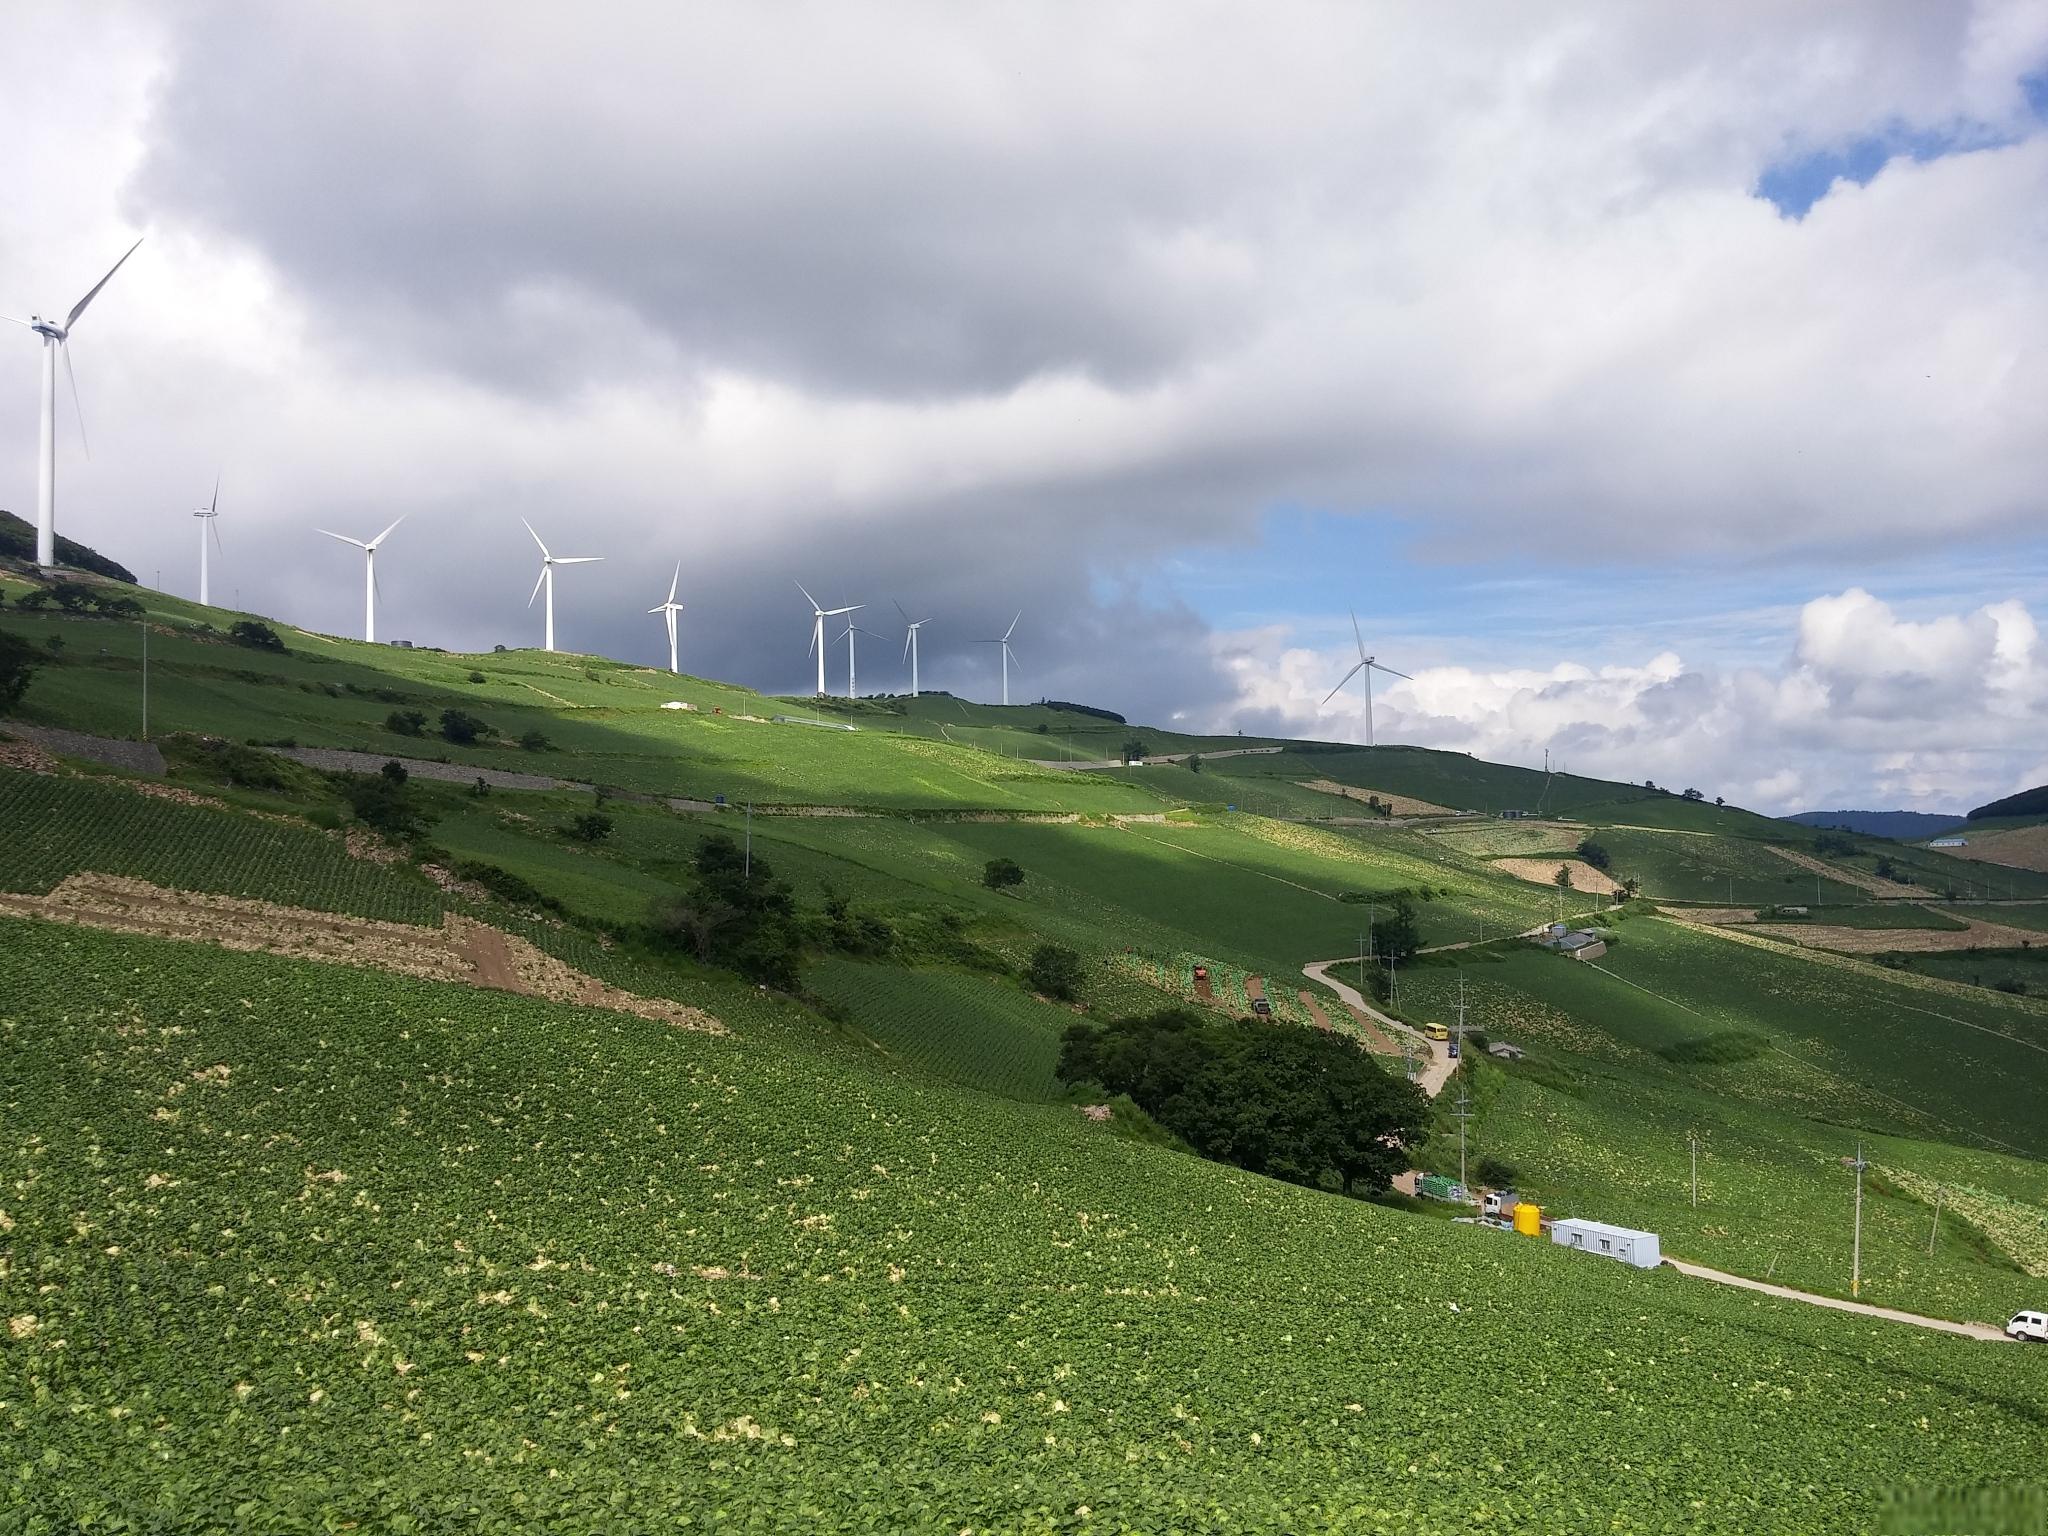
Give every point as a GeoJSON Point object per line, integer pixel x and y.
{"type": "Point", "coordinates": [322, 1248]}
{"type": "Point", "coordinates": [978, 1031]}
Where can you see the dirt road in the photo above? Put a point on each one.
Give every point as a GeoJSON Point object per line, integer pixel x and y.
{"type": "Point", "coordinates": [1862, 1308]}
{"type": "Point", "coordinates": [1437, 1053]}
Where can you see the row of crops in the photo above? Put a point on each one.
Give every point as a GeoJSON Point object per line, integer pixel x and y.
{"type": "Point", "coordinates": [976, 1030]}
{"type": "Point", "coordinates": [61, 826]}
{"type": "Point", "coordinates": [292, 1247]}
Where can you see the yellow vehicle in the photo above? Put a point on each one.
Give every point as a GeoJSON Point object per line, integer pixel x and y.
{"type": "Point", "coordinates": [1436, 1032]}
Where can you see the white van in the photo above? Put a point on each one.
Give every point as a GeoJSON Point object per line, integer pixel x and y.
{"type": "Point", "coordinates": [2028, 1325]}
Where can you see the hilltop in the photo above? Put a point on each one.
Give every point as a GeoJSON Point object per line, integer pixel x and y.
{"type": "Point", "coordinates": [428, 1143]}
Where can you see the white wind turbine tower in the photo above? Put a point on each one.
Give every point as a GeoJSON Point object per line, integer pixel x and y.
{"type": "Point", "coordinates": [818, 618]}
{"type": "Point", "coordinates": [910, 645]}
{"type": "Point", "coordinates": [546, 579]}
{"type": "Point", "coordinates": [668, 611]}
{"type": "Point", "coordinates": [1368, 665]}
{"type": "Point", "coordinates": [853, 629]}
{"type": "Point", "coordinates": [1004, 641]}
{"type": "Point", "coordinates": [369, 574]}
{"type": "Point", "coordinates": [206, 516]}
{"type": "Point", "coordinates": [55, 339]}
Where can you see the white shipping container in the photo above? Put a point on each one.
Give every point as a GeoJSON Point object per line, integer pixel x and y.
{"type": "Point", "coordinates": [1610, 1242]}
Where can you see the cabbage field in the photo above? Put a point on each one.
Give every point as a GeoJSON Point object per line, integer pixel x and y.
{"type": "Point", "coordinates": [291, 1247]}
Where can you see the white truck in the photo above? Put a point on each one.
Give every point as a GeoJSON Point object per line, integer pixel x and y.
{"type": "Point", "coordinates": [2028, 1325]}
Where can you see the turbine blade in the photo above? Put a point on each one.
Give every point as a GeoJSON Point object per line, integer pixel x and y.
{"type": "Point", "coordinates": [1356, 635]}
{"type": "Point", "coordinates": [536, 539]}
{"type": "Point", "coordinates": [543, 576]}
{"type": "Point", "coordinates": [662, 609]}
{"type": "Point", "coordinates": [576, 559]}
{"type": "Point", "coordinates": [1390, 671]}
{"type": "Point", "coordinates": [908, 635]}
{"type": "Point", "coordinates": [359, 544]}
{"type": "Point", "coordinates": [1340, 686]}
{"type": "Point", "coordinates": [214, 505]}
{"type": "Point", "coordinates": [833, 613]}
{"type": "Point", "coordinates": [808, 598]}
{"type": "Point", "coordinates": [387, 532]}
{"type": "Point", "coordinates": [899, 608]}
{"type": "Point", "coordinates": [79, 308]}
{"type": "Point", "coordinates": [673, 580]}
{"type": "Point", "coordinates": [22, 323]}
{"type": "Point", "coordinates": [213, 522]}
{"type": "Point", "coordinates": [1013, 624]}
{"type": "Point", "coordinates": [77, 406]}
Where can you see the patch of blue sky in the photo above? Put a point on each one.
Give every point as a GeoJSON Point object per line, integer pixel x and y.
{"type": "Point", "coordinates": [1794, 184]}
{"type": "Point", "coordinates": [1307, 570]}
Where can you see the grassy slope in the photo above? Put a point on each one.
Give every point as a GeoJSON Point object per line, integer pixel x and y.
{"type": "Point", "coordinates": [318, 1245]}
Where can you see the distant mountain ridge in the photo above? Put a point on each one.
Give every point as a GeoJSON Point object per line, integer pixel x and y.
{"type": "Point", "coordinates": [2028, 802]}
{"type": "Point", "coordinates": [1902, 825]}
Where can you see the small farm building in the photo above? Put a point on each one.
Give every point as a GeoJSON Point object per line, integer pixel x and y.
{"type": "Point", "coordinates": [1504, 1051]}
{"type": "Point", "coordinates": [1582, 946]}
{"type": "Point", "coordinates": [1949, 842]}
{"type": "Point", "coordinates": [1623, 1243]}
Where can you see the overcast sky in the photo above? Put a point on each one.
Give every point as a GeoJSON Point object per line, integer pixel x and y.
{"type": "Point", "coordinates": [1663, 386]}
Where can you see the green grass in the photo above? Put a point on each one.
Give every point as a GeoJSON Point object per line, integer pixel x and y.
{"type": "Point", "coordinates": [293, 1247]}
{"type": "Point", "coordinates": [58, 827]}
{"type": "Point", "coordinates": [2024, 968]}
{"type": "Point", "coordinates": [1718, 871]}
{"type": "Point", "coordinates": [1902, 915]}
{"type": "Point", "coordinates": [975, 1030]}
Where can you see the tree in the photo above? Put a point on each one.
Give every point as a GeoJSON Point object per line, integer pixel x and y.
{"type": "Point", "coordinates": [1693, 794]}
{"type": "Point", "coordinates": [382, 802]}
{"type": "Point", "coordinates": [461, 728]}
{"type": "Point", "coordinates": [535, 741]}
{"type": "Point", "coordinates": [1563, 878]}
{"type": "Point", "coordinates": [406, 722]}
{"type": "Point", "coordinates": [591, 827]}
{"type": "Point", "coordinates": [744, 920]}
{"type": "Point", "coordinates": [394, 770]}
{"type": "Point", "coordinates": [256, 635]}
{"type": "Point", "coordinates": [1055, 970]}
{"type": "Point", "coordinates": [18, 664]}
{"type": "Point", "coordinates": [1594, 854]}
{"type": "Point", "coordinates": [1134, 749]}
{"type": "Point", "coordinates": [1000, 874]}
{"type": "Point", "coordinates": [1495, 1172]}
{"type": "Point", "coordinates": [1195, 762]}
{"type": "Point", "coordinates": [1395, 936]}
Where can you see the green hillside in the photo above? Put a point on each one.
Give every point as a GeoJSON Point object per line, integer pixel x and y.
{"type": "Point", "coordinates": [318, 1248]}
{"type": "Point", "coordinates": [292, 1245]}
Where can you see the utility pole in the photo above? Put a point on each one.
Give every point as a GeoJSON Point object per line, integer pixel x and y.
{"type": "Point", "coordinates": [1856, 1253]}
{"type": "Point", "coordinates": [145, 676]}
{"type": "Point", "coordinates": [1693, 1140]}
{"type": "Point", "coordinates": [1939, 1191]}
{"type": "Point", "coordinates": [747, 867]}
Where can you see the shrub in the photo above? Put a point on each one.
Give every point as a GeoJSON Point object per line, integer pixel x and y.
{"type": "Point", "coordinates": [1594, 854]}
{"type": "Point", "coordinates": [475, 676]}
{"type": "Point", "coordinates": [406, 722]}
{"type": "Point", "coordinates": [18, 664]}
{"type": "Point", "coordinates": [1000, 874]}
{"type": "Point", "coordinates": [535, 741]}
{"type": "Point", "coordinates": [505, 885]}
{"type": "Point", "coordinates": [382, 802]}
{"type": "Point", "coordinates": [481, 787]}
{"type": "Point", "coordinates": [1494, 1172]}
{"type": "Point", "coordinates": [257, 636]}
{"type": "Point", "coordinates": [394, 770]}
{"type": "Point", "coordinates": [730, 916]}
{"type": "Point", "coordinates": [1720, 1049]}
{"type": "Point", "coordinates": [1055, 970]}
{"type": "Point", "coordinates": [590, 827]}
{"type": "Point", "coordinates": [461, 728]}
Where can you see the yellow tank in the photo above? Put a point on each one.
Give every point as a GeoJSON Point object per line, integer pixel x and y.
{"type": "Point", "coordinates": [1529, 1219]}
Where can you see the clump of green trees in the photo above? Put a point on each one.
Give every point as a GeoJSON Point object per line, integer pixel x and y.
{"type": "Point", "coordinates": [1294, 1104]}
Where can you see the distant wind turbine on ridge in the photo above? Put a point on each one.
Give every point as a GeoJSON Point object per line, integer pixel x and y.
{"type": "Point", "coordinates": [206, 516]}
{"type": "Point", "coordinates": [910, 645]}
{"type": "Point", "coordinates": [369, 574]}
{"type": "Point", "coordinates": [1004, 641]}
{"type": "Point", "coordinates": [56, 338]}
{"type": "Point", "coordinates": [853, 629]}
{"type": "Point", "coordinates": [546, 579]}
{"type": "Point", "coordinates": [818, 618]}
{"type": "Point", "coordinates": [668, 610]}
{"type": "Point", "coordinates": [1368, 665]}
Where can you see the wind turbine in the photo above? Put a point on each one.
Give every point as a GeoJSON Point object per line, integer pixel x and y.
{"type": "Point", "coordinates": [668, 611]}
{"type": "Point", "coordinates": [910, 645]}
{"type": "Point", "coordinates": [369, 574]}
{"type": "Point", "coordinates": [546, 579]}
{"type": "Point", "coordinates": [1368, 665]}
{"type": "Point", "coordinates": [853, 629]}
{"type": "Point", "coordinates": [1004, 642]}
{"type": "Point", "coordinates": [818, 618]}
{"type": "Point", "coordinates": [206, 515]}
{"type": "Point", "coordinates": [55, 337]}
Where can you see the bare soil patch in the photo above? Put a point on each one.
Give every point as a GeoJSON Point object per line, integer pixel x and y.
{"type": "Point", "coordinates": [1855, 877]}
{"type": "Point", "coordinates": [1544, 872]}
{"type": "Point", "coordinates": [28, 757]}
{"type": "Point", "coordinates": [1402, 805]}
{"type": "Point", "coordinates": [460, 950]}
{"type": "Point", "coordinates": [1320, 1019]}
{"type": "Point", "coordinates": [1883, 941]}
{"type": "Point", "coordinates": [2020, 848]}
